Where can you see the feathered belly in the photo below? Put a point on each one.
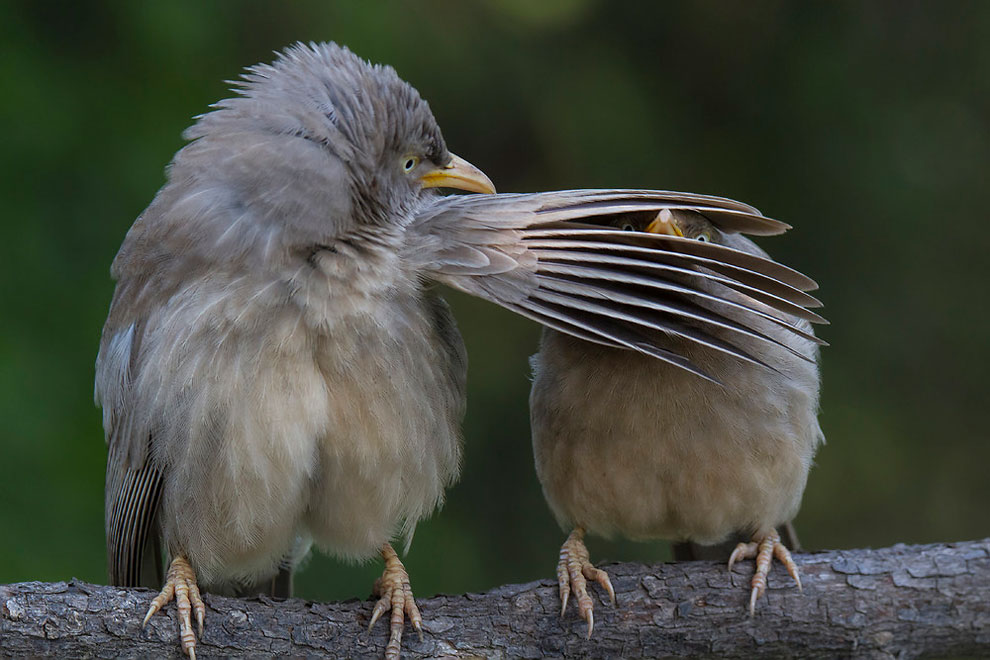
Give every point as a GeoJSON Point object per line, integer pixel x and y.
{"type": "Point", "coordinates": [392, 445]}
{"type": "Point", "coordinates": [238, 482]}
{"type": "Point", "coordinates": [645, 456]}
{"type": "Point", "coordinates": [345, 437]}
{"type": "Point", "coordinates": [700, 484]}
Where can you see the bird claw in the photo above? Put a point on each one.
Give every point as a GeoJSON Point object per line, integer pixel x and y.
{"type": "Point", "coordinates": [180, 584]}
{"type": "Point", "coordinates": [574, 569]}
{"type": "Point", "coordinates": [395, 594]}
{"type": "Point", "coordinates": [764, 547]}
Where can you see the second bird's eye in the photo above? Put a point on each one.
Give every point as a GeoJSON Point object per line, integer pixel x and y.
{"type": "Point", "coordinates": [410, 163]}
{"type": "Point", "coordinates": [627, 227]}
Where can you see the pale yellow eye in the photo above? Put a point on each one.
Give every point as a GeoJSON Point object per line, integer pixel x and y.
{"type": "Point", "coordinates": [704, 237]}
{"type": "Point", "coordinates": [409, 163]}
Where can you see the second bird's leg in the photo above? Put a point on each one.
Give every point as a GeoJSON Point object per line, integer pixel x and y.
{"type": "Point", "coordinates": [574, 569]}
{"type": "Point", "coordinates": [180, 583]}
{"type": "Point", "coordinates": [764, 547]}
{"type": "Point", "coordinates": [395, 594]}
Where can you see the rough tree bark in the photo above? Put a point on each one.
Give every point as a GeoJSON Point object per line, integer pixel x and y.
{"type": "Point", "coordinates": [898, 602]}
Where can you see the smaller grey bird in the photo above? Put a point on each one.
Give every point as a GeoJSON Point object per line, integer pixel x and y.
{"type": "Point", "coordinates": [714, 442]}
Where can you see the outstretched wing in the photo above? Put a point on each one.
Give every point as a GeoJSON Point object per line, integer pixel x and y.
{"type": "Point", "coordinates": [553, 258]}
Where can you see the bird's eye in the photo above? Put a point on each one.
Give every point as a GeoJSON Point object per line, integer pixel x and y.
{"type": "Point", "coordinates": [704, 237]}
{"type": "Point", "coordinates": [628, 227]}
{"type": "Point", "coordinates": [409, 163]}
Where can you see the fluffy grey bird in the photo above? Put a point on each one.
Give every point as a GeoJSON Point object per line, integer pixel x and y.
{"type": "Point", "coordinates": [276, 370]}
{"type": "Point", "coordinates": [716, 443]}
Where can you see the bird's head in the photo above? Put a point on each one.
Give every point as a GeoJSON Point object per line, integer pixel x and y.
{"type": "Point", "coordinates": [672, 222]}
{"type": "Point", "coordinates": [684, 223]}
{"type": "Point", "coordinates": [694, 225]}
{"type": "Point", "coordinates": [316, 144]}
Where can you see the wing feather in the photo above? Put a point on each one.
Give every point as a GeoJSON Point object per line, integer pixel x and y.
{"type": "Point", "coordinates": [134, 485]}
{"type": "Point", "coordinates": [543, 255]}
{"type": "Point", "coordinates": [547, 259]}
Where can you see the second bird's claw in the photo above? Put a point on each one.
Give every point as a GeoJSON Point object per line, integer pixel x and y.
{"type": "Point", "coordinates": [396, 595]}
{"type": "Point", "coordinates": [574, 569]}
{"type": "Point", "coordinates": [764, 548]}
{"type": "Point", "coordinates": [180, 584]}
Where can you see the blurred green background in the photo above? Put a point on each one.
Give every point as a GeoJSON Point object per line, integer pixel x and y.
{"type": "Point", "coordinates": [863, 124]}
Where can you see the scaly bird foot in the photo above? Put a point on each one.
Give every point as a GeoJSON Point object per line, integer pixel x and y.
{"type": "Point", "coordinates": [574, 569]}
{"type": "Point", "coordinates": [764, 546]}
{"type": "Point", "coordinates": [180, 583]}
{"type": "Point", "coordinates": [395, 594]}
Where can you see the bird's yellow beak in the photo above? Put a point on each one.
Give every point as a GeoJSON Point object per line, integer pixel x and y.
{"type": "Point", "coordinates": [664, 223]}
{"type": "Point", "coordinates": [460, 175]}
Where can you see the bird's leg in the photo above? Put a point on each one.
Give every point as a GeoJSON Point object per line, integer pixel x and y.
{"type": "Point", "coordinates": [180, 583]}
{"type": "Point", "coordinates": [395, 594]}
{"type": "Point", "coordinates": [574, 569]}
{"type": "Point", "coordinates": [764, 547]}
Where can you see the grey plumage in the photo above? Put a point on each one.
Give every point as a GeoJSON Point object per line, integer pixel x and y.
{"type": "Point", "coordinates": [645, 449]}
{"type": "Point", "coordinates": [275, 370]}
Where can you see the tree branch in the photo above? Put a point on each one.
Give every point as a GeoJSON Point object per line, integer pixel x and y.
{"type": "Point", "coordinates": [903, 602]}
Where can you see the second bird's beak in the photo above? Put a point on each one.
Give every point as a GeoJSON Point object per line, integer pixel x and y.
{"type": "Point", "coordinates": [460, 175]}
{"type": "Point", "coordinates": [664, 223]}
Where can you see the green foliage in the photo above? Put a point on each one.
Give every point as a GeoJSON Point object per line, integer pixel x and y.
{"type": "Point", "coordinates": [864, 125]}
